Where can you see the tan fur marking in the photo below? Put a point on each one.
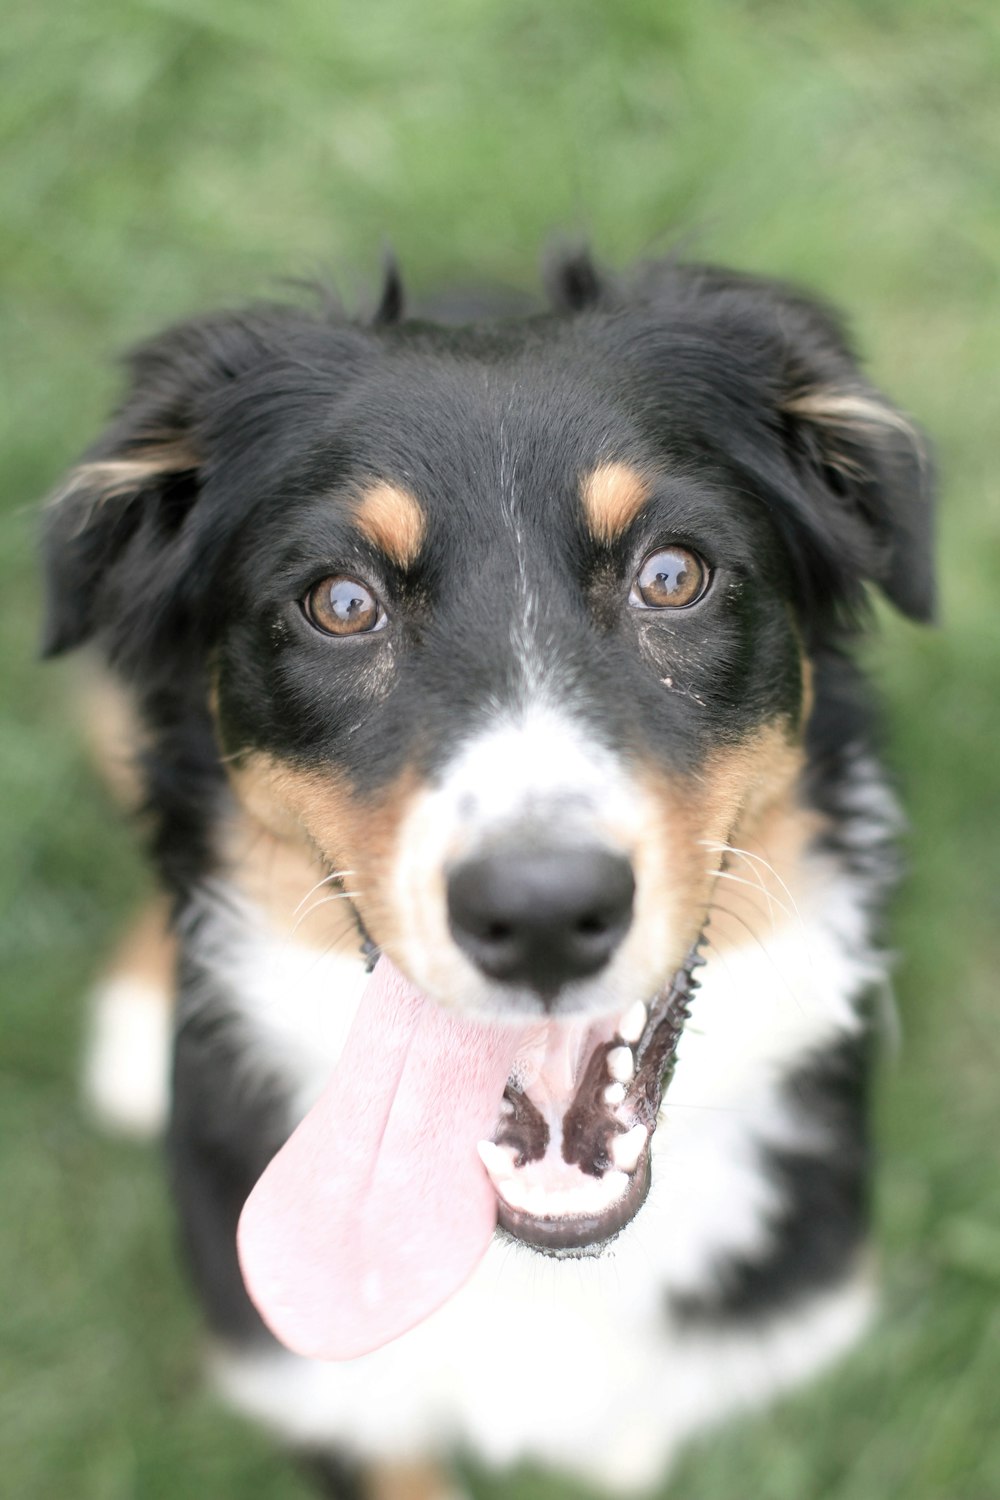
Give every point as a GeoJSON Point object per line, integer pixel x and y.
{"type": "Point", "coordinates": [832, 406]}
{"type": "Point", "coordinates": [612, 495]}
{"type": "Point", "coordinates": [114, 733]}
{"type": "Point", "coordinates": [726, 803]}
{"type": "Point", "coordinates": [107, 478]}
{"type": "Point", "coordinates": [148, 951]}
{"type": "Point", "coordinates": [287, 880]}
{"type": "Point", "coordinates": [317, 818]}
{"type": "Point", "coordinates": [408, 1482]}
{"type": "Point", "coordinates": [766, 868]}
{"type": "Point", "coordinates": [393, 519]}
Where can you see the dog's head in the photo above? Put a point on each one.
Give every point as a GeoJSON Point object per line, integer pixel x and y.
{"type": "Point", "coordinates": [510, 622]}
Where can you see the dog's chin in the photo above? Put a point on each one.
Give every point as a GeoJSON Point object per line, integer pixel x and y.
{"type": "Point", "coordinates": [569, 1158]}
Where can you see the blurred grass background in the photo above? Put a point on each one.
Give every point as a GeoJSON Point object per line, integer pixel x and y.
{"type": "Point", "coordinates": [163, 156]}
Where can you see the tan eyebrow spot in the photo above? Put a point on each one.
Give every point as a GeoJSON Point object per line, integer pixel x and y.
{"type": "Point", "coordinates": [612, 495]}
{"type": "Point", "coordinates": [392, 518]}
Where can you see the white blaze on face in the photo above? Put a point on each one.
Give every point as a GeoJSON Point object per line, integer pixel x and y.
{"type": "Point", "coordinates": [540, 771]}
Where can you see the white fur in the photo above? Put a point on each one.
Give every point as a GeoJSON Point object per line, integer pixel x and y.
{"type": "Point", "coordinates": [126, 1067]}
{"type": "Point", "coordinates": [536, 767]}
{"type": "Point", "coordinates": [296, 1003]}
{"type": "Point", "coordinates": [570, 1364]}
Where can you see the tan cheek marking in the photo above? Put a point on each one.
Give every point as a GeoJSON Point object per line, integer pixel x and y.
{"type": "Point", "coordinates": [729, 800]}
{"type": "Point", "coordinates": [770, 862]}
{"type": "Point", "coordinates": [309, 821]}
{"type": "Point", "coordinates": [612, 496]}
{"type": "Point", "coordinates": [393, 519]}
{"type": "Point", "coordinates": [286, 878]}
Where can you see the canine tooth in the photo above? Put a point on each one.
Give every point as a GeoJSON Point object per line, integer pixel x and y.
{"type": "Point", "coordinates": [626, 1149]}
{"type": "Point", "coordinates": [633, 1022]}
{"type": "Point", "coordinates": [615, 1093]}
{"type": "Point", "coordinates": [498, 1160]}
{"type": "Point", "coordinates": [621, 1064]}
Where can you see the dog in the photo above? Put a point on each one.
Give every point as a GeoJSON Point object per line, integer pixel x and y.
{"type": "Point", "coordinates": [486, 687]}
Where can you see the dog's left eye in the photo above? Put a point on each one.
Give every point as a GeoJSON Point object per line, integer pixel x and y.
{"type": "Point", "coordinates": [343, 606]}
{"type": "Point", "coordinates": [671, 578]}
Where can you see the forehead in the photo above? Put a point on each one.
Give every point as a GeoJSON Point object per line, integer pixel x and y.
{"type": "Point", "coordinates": [447, 436]}
{"type": "Point", "coordinates": [456, 425]}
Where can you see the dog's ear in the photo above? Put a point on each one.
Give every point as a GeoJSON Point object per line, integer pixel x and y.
{"type": "Point", "coordinates": [122, 544]}
{"type": "Point", "coordinates": [571, 279]}
{"type": "Point", "coordinates": [867, 469]}
{"type": "Point", "coordinates": [142, 478]}
{"type": "Point", "coordinates": [852, 485]}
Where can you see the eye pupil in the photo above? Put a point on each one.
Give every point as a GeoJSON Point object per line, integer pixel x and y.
{"type": "Point", "coordinates": [670, 579]}
{"type": "Point", "coordinates": [342, 606]}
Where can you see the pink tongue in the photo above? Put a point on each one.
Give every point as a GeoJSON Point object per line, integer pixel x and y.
{"type": "Point", "coordinates": [378, 1208]}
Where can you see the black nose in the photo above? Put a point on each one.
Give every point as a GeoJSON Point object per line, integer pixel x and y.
{"type": "Point", "coordinates": [541, 918]}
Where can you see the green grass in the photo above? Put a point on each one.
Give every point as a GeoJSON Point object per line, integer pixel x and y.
{"type": "Point", "coordinates": [161, 156]}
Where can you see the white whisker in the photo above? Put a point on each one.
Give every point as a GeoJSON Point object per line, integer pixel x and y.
{"type": "Point", "coordinates": [755, 886]}
{"type": "Point", "coordinates": [336, 875]}
{"type": "Point", "coordinates": [760, 860]}
{"type": "Point", "coordinates": [326, 901]}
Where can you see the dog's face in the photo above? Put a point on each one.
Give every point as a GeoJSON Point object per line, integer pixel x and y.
{"type": "Point", "coordinates": [515, 666]}
{"type": "Point", "coordinates": [510, 626]}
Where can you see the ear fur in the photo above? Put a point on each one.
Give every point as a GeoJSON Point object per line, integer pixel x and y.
{"type": "Point", "coordinates": [572, 281]}
{"type": "Point", "coordinates": [91, 518]}
{"type": "Point", "coordinates": [862, 491]}
{"type": "Point", "coordinates": [873, 460]}
{"type": "Point", "coordinates": [132, 495]}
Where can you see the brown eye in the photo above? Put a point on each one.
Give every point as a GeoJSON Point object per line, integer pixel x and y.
{"type": "Point", "coordinates": [343, 606]}
{"type": "Point", "coordinates": [670, 579]}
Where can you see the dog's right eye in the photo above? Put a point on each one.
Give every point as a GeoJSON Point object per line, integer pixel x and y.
{"type": "Point", "coordinates": [343, 606]}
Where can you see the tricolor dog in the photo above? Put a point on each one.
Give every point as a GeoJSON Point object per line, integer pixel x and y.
{"type": "Point", "coordinates": [492, 713]}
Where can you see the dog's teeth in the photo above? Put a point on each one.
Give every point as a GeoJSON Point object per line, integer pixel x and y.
{"type": "Point", "coordinates": [614, 1093]}
{"type": "Point", "coordinates": [506, 1106]}
{"type": "Point", "coordinates": [633, 1022]}
{"type": "Point", "coordinates": [498, 1160]}
{"type": "Point", "coordinates": [621, 1064]}
{"type": "Point", "coordinates": [626, 1149]}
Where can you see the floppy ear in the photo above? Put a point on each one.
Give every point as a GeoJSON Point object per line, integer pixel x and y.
{"type": "Point", "coordinates": [870, 474]}
{"type": "Point", "coordinates": [125, 543]}
{"type": "Point", "coordinates": [853, 479]}
{"type": "Point", "coordinates": [141, 479]}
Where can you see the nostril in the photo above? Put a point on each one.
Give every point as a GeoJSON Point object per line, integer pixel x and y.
{"type": "Point", "coordinates": [499, 932]}
{"type": "Point", "coordinates": [592, 925]}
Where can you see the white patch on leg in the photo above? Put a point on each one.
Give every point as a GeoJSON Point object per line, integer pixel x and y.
{"type": "Point", "coordinates": [126, 1067]}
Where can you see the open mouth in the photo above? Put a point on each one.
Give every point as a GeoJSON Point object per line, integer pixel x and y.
{"type": "Point", "coordinates": [377, 1208]}
{"type": "Point", "coordinates": [569, 1157]}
